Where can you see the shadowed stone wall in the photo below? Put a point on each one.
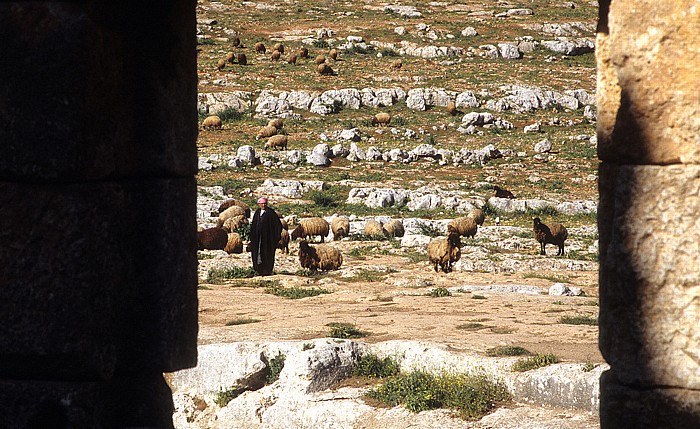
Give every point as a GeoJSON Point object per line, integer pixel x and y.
{"type": "Point", "coordinates": [97, 204]}
{"type": "Point", "coordinates": [648, 55]}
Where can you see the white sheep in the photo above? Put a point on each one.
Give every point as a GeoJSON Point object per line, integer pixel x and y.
{"type": "Point", "coordinates": [234, 243]}
{"type": "Point", "coordinates": [444, 251]}
{"type": "Point", "coordinates": [374, 228]}
{"type": "Point", "coordinates": [340, 226]}
{"type": "Point", "coordinates": [310, 227]}
{"type": "Point", "coordinates": [381, 118]}
{"type": "Point", "coordinates": [320, 257]}
{"type": "Point", "coordinates": [212, 121]}
{"type": "Point", "coordinates": [229, 213]}
{"type": "Point", "coordinates": [278, 141]}
{"type": "Point", "coordinates": [478, 216]}
{"type": "Point", "coordinates": [394, 228]}
{"type": "Point", "coordinates": [463, 226]}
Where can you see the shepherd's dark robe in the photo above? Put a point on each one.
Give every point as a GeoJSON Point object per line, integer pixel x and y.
{"type": "Point", "coordinates": [265, 231]}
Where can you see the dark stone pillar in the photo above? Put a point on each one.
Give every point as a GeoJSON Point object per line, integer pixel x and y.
{"type": "Point", "coordinates": [98, 258]}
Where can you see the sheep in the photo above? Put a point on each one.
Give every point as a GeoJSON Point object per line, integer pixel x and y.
{"type": "Point", "coordinates": [234, 243]}
{"type": "Point", "coordinates": [284, 223]}
{"type": "Point", "coordinates": [555, 234]}
{"type": "Point", "coordinates": [242, 59]}
{"type": "Point", "coordinates": [320, 59]}
{"type": "Point", "coordinates": [502, 193]}
{"type": "Point", "coordinates": [228, 213]}
{"type": "Point", "coordinates": [320, 257]}
{"type": "Point", "coordinates": [212, 121]}
{"type": "Point", "coordinates": [340, 226]}
{"type": "Point", "coordinates": [236, 42]}
{"type": "Point", "coordinates": [381, 118]}
{"type": "Point", "coordinates": [310, 227]}
{"type": "Point", "coordinates": [478, 216]}
{"type": "Point", "coordinates": [292, 59]}
{"type": "Point", "coordinates": [374, 228]}
{"type": "Point", "coordinates": [333, 54]}
{"type": "Point", "coordinates": [444, 251]}
{"type": "Point", "coordinates": [279, 48]}
{"type": "Point", "coordinates": [230, 57]}
{"type": "Point", "coordinates": [304, 53]}
{"type": "Point", "coordinates": [212, 238]}
{"type": "Point", "coordinates": [265, 132]}
{"type": "Point", "coordinates": [283, 244]}
{"type": "Point", "coordinates": [260, 48]}
{"type": "Point", "coordinates": [234, 222]}
{"type": "Point", "coordinates": [221, 64]}
{"type": "Point", "coordinates": [325, 70]}
{"type": "Point", "coordinates": [394, 228]}
{"type": "Point", "coordinates": [463, 226]}
{"type": "Point", "coordinates": [276, 55]}
{"type": "Point", "coordinates": [276, 122]}
{"type": "Point", "coordinates": [234, 202]}
{"type": "Point", "coordinates": [451, 108]}
{"type": "Point", "coordinates": [277, 141]}
{"type": "Point", "coordinates": [396, 65]}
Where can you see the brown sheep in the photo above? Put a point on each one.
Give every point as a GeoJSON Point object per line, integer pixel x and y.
{"type": "Point", "coordinates": [381, 118]}
{"type": "Point", "coordinates": [444, 251]}
{"type": "Point", "coordinates": [265, 132]}
{"type": "Point", "coordinates": [228, 213]}
{"type": "Point", "coordinates": [284, 223]}
{"type": "Point", "coordinates": [212, 238]}
{"type": "Point", "coordinates": [283, 244]}
{"type": "Point", "coordinates": [325, 70]}
{"type": "Point", "coordinates": [234, 244]}
{"type": "Point", "coordinates": [276, 122]}
{"type": "Point", "coordinates": [320, 257]}
{"type": "Point", "coordinates": [279, 48]}
{"type": "Point", "coordinates": [555, 234]}
{"type": "Point", "coordinates": [221, 64]}
{"type": "Point", "coordinates": [451, 108]}
{"type": "Point", "coordinates": [320, 59]}
{"type": "Point", "coordinates": [276, 55]}
{"type": "Point", "coordinates": [463, 226]}
{"type": "Point", "coordinates": [478, 216]}
{"type": "Point", "coordinates": [304, 53]}
{"type": "Point", "coordinates": [292, 59]}
{"type": "Point", "coordinates": [276, 142]}
{"type": "Point", "coordinates": [234, 222]}
{"type": "Point", "coordinates": [502, 193]}
{"type": "Point", "coordinates": [374, 228]}
{"type": "Point", "coordinates": [242, 59]}
{"type": "Point", "coordinates": [394, 228]}
{"type": "Point", "coordinates": [230, 57]}
{"type": "Point", "coordinates": [340, 226]}
{"type": "Point", "coordinates": [234, 202]}
{"type": "Point", "coordinates": [212, 121]}
{"type": "Point", "coordinates": [236, 42]}
{"type": "Point", "coordinates": [397, 64]}
{"type": "Point", "coordinates": [310, 227]}
{"type": "Point", "coordinates": [333, 54]}
{"type": "Point", "coordinates": [260, 48]}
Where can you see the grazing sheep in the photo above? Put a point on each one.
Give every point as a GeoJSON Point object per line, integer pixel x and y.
{"type": "Point", "coordinates": [444, 251]}
{"type": "Point", "coordinates": [478, 216]}
{"type": "Point", "coordinates": [212, 238]}
{"type": "Point", "coordinates": [320, 59]}
{"type": "Point", "coordinates": [397, 64]}
{"type": "Point", "coordinates": [463, 226]}
{"type": "Point", "coordinates": [325, 70]}
{"type": "Point", "coordinates": [276, 122]}
{"type": "Point", "coordinates": [284, 223]}
{"type": "Point", "coordinates": [279, 48]}
{"type": "Point", "coordinates": [230, 57]}
{"type": "Point", "coordinates": [502, 193]}
{"type": "Point", "coordinates": [234, 222]}
{"type": "Point", "coordinates": [234, 202]}
{"type": "Point", "coordinates": [292, 59]}
{"type": "Point", "coordinates": [276, 142]}
{"type": "Point", "coordinates": [394, 228]}
{"type": "Point", "coordinates": [221, 64]}
{"type": "Point", "coordinates": [451, 108]}
{"type": "Point", "coordinates": [310, 227]}
{"type": "Point", "coordinates": [212, 121]}
{"type": "Point", "coordinates": [374, 228]}
{"type": "Point", "coordinates": [265, 132]}
{"type": "Point", "coordinates": [283, 244]}
{"type": "Point", "coordinates": [236, 42]}
{"type": "Point", "coordinates": [276, 55]}
{"type": "Point", "coordinates": [228, 213]}
{"type": "Point", "coordinates": [304, 53]}
{"type": "Point", "coordinates": [340, 226]}
{"type": "Point", "coordinates": [320, 257]}
{"type": "Point", "coordinates": [381, 118]}
{"type": "Point", "coordinates": [333, 54]}
{"type": "Point", "coordinates": [234, 243]}
{"type": "Point", "coordinates": [242, 59]}
{"type": "Point", "coordinates": [260, 48]}
{"type": "Point", "coordinates": [555, 234]}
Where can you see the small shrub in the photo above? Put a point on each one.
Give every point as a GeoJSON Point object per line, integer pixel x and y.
{"type": "Point", "coordinates": [439, 292]}
{"type": "Point", "coordinates": [223, 397]}
{"type": "Point", "coordinates": [307, 346]}
{"type": "Point", "coordinates": [275, 365]}
{"type": "Point", "coordinates": [472, 326]}
{"type": "Point", "coordinates": [507, 351]}
{"type": "Point", "coordinates": [478, 297]}
{"type": "Point", "coordinates": [429, 229]}
{"type": "Point", "coordinates": [320, 43]}
{"type": "Point", "coordinates": [244, 232]}
{"type": "Point", "coordinates": [388, 52]}
{"type": "Point", "coordinates": [371, 366]}
{"type": "Point", "coordinates": [399, 121]}
{"type": "Point", "coordinates": [360, 49]}
{"type": "Point", "coordinates": [230, 114]}
{"type": "Point", "coordinates": [236, 322]}
{"type": "Point", "coordinates": [295, 292]}
{"type": "Point", "coordinates": [345, 331]}
{"type": "Point", "coordinates": [537, 361]}
{"type": "Point", "coordinates": [579, 320]}
{"type": "Point", "coordinates": [218, 275]}
{"type": "Point", "coordinates": [323, 199]}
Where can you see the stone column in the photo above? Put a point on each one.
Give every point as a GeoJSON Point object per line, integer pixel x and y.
{"type": "Point", "coordinates": [97, 211]}
{"type": "Point", "coordinates": [648, 55]}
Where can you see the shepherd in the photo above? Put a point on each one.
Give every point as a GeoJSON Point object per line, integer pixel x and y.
{"type": "Point", "coordinates": [265, 231]}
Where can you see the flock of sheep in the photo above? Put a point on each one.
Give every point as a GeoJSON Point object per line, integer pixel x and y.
{"type": "Point", "coordinates": [443, 252]}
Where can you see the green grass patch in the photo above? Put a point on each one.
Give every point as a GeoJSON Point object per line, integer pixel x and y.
{"type": "Point", "coordinates": [478, 297]}
{"type": "Point", "coordinates": [244, 321]}
{"type": "Point", "coordinates": [579, 320]}
{"type": "Point", "coordinates": [471, 326]}
{"type": "Point", "coordinates": [471, 397]}
{"type": "Point", "coordinates": [372, 366]}
{"type": "Point", "coordinates": [503, 351]}
{"type": "Point", "coordinates": [439, 292]}
{"type": "Point", "coordinates": [219, 275]}
{"type": "Point", "coordinates": [537, 361]}
{"type": "Point", "coordinates": [365, 275]}
{"type": "Point", "coordinates": [275, 366]}
{"type": "Point", "coordinates": [345, 331]}
{"type": "Point", "coordinates": [295, 292]}
{"type": "Point", "coordinates": [223, 397]}
{"type": "Point", "coordinates": [551, 277]}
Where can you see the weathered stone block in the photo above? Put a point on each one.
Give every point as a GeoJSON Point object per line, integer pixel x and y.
{"type": "Point", "coordinates": [622, 407]}
{"type": "Point", "coordinates": [649, 263]}
{"type": "Point", "coordinates": [97, 91]}
{"type": "Point", "coordinates": [648, 86]}
{"type": "Point", "coordinates": [97, 278]}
